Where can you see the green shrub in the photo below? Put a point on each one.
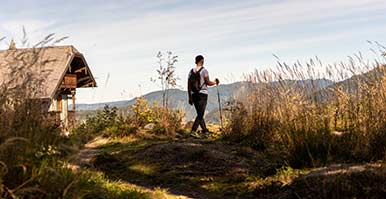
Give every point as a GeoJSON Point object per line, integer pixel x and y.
{"type": "Point", "coordinates": [142, 113]}
{"type": "Point", "coordinates": [169, 122]}
{"type": "Point", "coordinates": [106, 123]}
{"type": "Point", "coordinates": [120, 130]}
{"type": "Point", "coordinates": [166, 121]}
{"type": "Point", "coordinates": [109, 124]}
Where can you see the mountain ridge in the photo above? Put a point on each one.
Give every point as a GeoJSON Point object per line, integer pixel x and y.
{"type": "Point", "coordinates": [178, 98]}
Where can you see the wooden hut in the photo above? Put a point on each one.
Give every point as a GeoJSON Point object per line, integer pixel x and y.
{"type": "Point", "coordinates": [55, 73]}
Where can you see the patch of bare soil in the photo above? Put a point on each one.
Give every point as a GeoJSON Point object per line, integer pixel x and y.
{"type": "Point", "coordinates": [341, 181]}
{"type": "Point", "coordinates": [199, 158]}
{"type": "Point", "coordinates": [196, 168]}
{"type": "Point", "coordinates": [210, 169]}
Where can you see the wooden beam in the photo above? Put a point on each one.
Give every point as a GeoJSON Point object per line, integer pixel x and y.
{"type": "Point", "coordinates": [83, 79]}
{"type": "Point", "coordinates": [90, 84]}
{"type": "Point", "coordinates": [81, 70]}
{"type": "Point", "coordinates": [65, 91]}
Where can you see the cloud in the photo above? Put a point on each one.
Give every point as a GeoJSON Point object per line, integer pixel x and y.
{"type": "Point", "coordinates": [122, 37]}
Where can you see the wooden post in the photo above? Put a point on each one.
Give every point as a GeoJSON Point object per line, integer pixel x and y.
{"type": "Point", "coordinates": [65, 110]}
{"type": "Point", "coordinates": [73, 100]}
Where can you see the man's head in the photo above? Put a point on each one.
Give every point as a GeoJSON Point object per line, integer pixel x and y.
{"type": "Point", "coordinates": [199, 60]}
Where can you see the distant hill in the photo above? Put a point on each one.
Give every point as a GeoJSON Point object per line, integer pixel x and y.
{"type": "Point", "coordinates": [179, 99]}
{"type": "Point", "coordinates": [351, 84]}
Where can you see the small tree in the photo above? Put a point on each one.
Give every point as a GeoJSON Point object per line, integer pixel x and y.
{"type": "Point", "coordinates": [166, 75]}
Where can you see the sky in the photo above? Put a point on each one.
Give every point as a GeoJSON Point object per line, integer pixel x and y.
{"type": "Point", "coordinates": [121, 38]}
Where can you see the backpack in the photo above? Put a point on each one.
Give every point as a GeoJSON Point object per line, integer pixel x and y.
{"type": "Point", "coordinates": [195, 80]}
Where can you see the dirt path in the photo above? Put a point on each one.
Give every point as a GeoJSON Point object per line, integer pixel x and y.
{"type": "Point", "coordinates": [84, 157]}
{"type": "Point", "coordinates": [90, 150]}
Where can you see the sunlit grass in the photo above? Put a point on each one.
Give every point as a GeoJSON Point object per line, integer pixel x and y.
{"type": "Point", "coordinates": [143, 168]}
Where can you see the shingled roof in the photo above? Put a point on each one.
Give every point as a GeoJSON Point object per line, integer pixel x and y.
{"type": "Point", "coordinates": [44, 66]}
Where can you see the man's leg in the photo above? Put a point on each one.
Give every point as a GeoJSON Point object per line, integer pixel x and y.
{"type": "Point", "coordinates": [202, 106]}
{"type": "Point", "coordinates": [196, 103]}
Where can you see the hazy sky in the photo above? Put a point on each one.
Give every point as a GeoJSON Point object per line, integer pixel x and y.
{"type": "Point", "coordinates": [120, 39]}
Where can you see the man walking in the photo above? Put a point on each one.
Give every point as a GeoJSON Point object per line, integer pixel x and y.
{"type": "Point", "coordinates": [198, 83]}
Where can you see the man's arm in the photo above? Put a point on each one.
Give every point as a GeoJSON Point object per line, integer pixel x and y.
{"type": "Point", "coordinates": [189, 90]}
{"type": "Point", "coordinates": [211, 83]}
{"type": "Point", "coordinates": [207, 80]}
{"type": "Point", "coordinates": [190, 94]}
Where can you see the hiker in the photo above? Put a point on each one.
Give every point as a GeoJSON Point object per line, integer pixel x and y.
{"type": "Point", "coordinates": [198, 82]}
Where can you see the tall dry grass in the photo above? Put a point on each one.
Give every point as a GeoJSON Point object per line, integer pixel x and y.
{"type": "Point", "coordinates": [31, 144]}
{"type": "Point", "coordinates": [291, 109]}
{"type": "Point", "coordinates": [25, 135]}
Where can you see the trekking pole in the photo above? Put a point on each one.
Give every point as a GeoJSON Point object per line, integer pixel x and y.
{"type": "Point", "coordinates": [219, 106]}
